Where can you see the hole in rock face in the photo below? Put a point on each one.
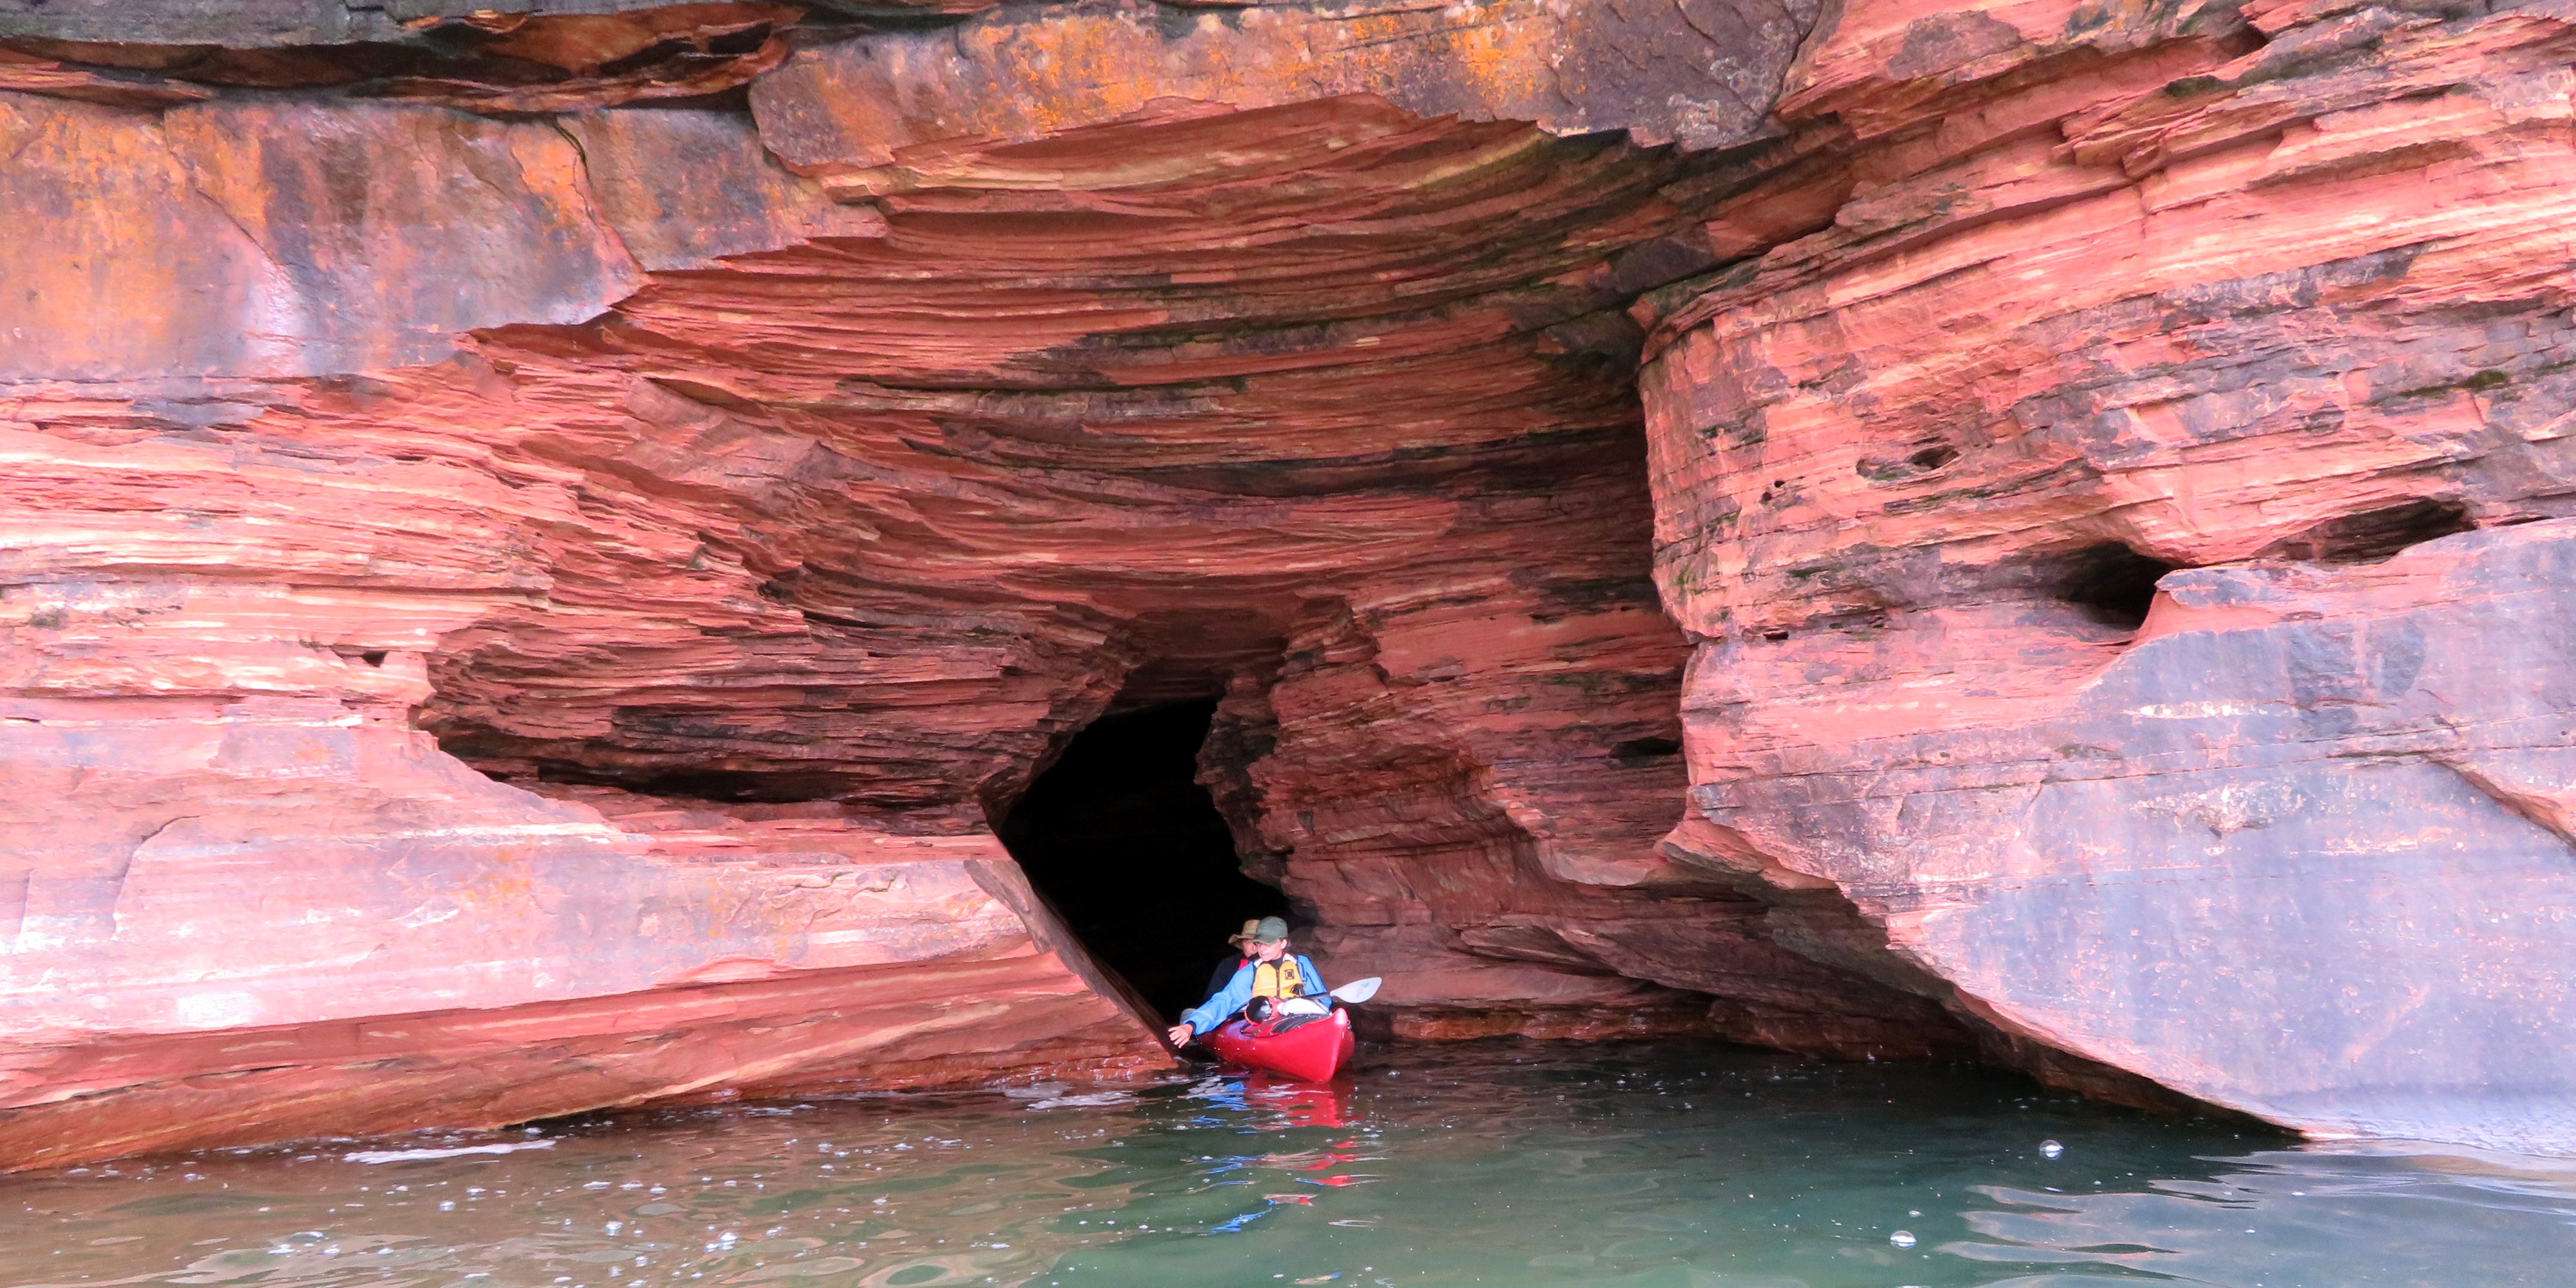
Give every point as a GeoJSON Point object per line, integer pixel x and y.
{"type": "Point", "coordinates": [1637, 750]}
{"type": "Point", "coordinates": [1128, 846]}
{"type": "Point", "coordinates": [2112, 583]}
{"type": "Point", "coordinates": [2373, 535]}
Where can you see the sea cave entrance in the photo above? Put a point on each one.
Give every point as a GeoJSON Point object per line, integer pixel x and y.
{"type": "Point", "coordinates": [1131, 850]}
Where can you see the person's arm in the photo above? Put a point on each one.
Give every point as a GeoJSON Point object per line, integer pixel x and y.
{"type": "Point", "coordinates": [1229, 999]}
{"type": "Point", "coordinates": [1310, 977]}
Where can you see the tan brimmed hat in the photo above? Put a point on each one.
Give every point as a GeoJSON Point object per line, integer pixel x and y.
{"type": "Point", "coordinates": [1244, 936]}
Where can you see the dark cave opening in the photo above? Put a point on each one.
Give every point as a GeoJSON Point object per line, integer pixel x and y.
{"type": "Point", "coordinates": [2113, 584]}
{"type": "Point", "coordinates": [1130, 849]}
{"type": "Point", "coordinates": [2373, 535]}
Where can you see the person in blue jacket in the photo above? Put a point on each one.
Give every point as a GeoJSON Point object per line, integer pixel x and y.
{"type": "Point", "coordinates": [1270, 971]}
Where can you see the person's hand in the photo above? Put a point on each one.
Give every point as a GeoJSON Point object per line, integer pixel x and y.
{"type": "Point", "coordinates": [1180, 1034]}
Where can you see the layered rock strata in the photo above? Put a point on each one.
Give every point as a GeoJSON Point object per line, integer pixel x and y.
{"type": "Point", "coordinates": [2103, 462]}
{"type": "Point", "coordinates": [2067, 306]}
{"type": "Point", "coordinates": [332, 927]}
{"type": "Point", "coordinates": [762, 541]}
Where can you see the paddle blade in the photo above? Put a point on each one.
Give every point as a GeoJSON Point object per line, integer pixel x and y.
{"type": "Point", "coordinates": [1357, 991]}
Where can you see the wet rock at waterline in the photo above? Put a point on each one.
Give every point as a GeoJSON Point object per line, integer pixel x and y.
{"type": "Point", "coordinates": [548, 543]}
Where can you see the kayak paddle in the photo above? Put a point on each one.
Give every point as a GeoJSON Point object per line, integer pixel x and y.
{"type": "Point", "coordinates": [1357, 991]}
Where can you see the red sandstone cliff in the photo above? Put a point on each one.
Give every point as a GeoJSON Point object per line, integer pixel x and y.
{"type": "Point", "coordinates": [754, 490]}
{"type": "Point", "coordinates": [2057, 304]}
{"type": "Point", "coordinates": [659, 481]}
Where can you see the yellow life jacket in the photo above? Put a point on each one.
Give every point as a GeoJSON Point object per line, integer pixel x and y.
{"type": "Point", "coordinates": [1277, 979]}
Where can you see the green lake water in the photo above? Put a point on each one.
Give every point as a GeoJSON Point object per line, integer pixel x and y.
{"type": "Point", "coordinates": [1660, 1166]}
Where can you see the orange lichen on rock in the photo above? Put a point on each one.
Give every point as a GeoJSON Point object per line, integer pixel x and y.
{"type": "Point", "coordinates": [1703, 75]}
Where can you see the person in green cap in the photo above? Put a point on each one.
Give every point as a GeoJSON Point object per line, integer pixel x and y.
{"type": "Point", "coordinates": [1270, 971]}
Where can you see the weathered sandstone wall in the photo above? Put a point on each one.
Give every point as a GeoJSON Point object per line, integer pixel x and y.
{"type": "Point", "coordinates": [756, 533]}
{"type": "Point", "coordinates": [2281, 302]}
{"type": "Point", "coordinates": [538, 543]}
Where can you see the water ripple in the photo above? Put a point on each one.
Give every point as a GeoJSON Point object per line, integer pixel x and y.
{"type": "Point", "coordinates": [1493, 1164]}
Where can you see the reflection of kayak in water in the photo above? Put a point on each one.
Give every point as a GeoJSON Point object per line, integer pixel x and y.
{"type": "Point", "coordinates": [1308, 1048]}
{"type": "Point", "coordinates": [1299, 1104]}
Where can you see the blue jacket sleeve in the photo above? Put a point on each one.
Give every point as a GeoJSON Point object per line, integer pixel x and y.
{"type": "Point", "coordinates": [1311, 977]}
{"type": "Point", "coordinates": [1229, 999]}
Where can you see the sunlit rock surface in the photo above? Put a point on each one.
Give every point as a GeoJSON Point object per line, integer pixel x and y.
{"type": "Point", "coordinates": [337, 929]}
{"type": "Point", "coordinates": [756, 533]}
{"type": "Point", "coordinates": [537, 543]}
{"type": "Point", "coordinates": [2283, 306]}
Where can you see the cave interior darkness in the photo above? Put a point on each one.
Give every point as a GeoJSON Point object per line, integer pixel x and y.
{"type": "Point", "coordinates": [1130, 849]}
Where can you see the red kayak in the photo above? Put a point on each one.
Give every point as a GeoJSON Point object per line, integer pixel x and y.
{"type": "Point", "coordinates": [1308, 1048]}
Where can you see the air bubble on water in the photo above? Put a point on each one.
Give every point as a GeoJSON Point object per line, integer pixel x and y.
{"type": "Point", "coordinates": [1902, 1238]}
{"type": "Point", "coordinates": [447, 1205]}
{"type": "Point", "coordinates": [615, 1226]}
{"type": "Point", "coordinates": [2050, 1149]}
{"type": "Point", "coordinates": [1912, 1212]}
